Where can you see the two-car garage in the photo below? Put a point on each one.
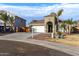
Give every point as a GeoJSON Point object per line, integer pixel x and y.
{"type": "Point", "coordinates": [40, 29]}
{"type": "Point", "coordinates": [37, 26]}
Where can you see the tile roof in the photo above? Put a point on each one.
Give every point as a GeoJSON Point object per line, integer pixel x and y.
{"type": "Point", "coordinates": [37, 22]}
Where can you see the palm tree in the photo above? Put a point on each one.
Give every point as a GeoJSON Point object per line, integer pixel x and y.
{"type": "Point", "coordinates": [63, 26]}
{"type": "Point", "coordinates": [59, 13]}
{"type": "Point", "coordinates": [11, 21]}
{"type": "Point", "coordinates": [69, 24]}
{"type": "Point", "coordinates": [4, 17]}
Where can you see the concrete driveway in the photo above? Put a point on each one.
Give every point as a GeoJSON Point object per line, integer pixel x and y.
{"type": "Point", "coordinates": [17, 36]}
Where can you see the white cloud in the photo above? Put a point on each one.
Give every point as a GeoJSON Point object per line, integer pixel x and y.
{"type": "Point", "coordinates": [70, 10]}
{"type": "Point", "coordinates": [27, 10]}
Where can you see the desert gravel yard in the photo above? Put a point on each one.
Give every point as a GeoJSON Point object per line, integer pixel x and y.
{"type": "Point", "coordinates": [72, 39]}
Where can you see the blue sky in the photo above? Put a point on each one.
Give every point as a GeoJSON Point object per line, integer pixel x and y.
{"type": "Point", "coordinates": [37, 11]}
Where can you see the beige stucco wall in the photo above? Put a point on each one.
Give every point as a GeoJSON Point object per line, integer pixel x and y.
{"type": "Point", "coordinates": [49, 19]}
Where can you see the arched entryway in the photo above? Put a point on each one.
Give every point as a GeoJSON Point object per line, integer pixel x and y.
{"type": "Point", "coordinates": [49, 27]}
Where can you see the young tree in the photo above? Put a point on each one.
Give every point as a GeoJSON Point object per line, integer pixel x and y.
{"type": "Point", "coordinates": [11, 21]}
{"type": "Point", "coordinates": [4, 17]}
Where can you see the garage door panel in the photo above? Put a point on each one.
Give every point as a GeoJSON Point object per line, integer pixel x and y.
{"type": "Point", "coordinates": [39, 28]}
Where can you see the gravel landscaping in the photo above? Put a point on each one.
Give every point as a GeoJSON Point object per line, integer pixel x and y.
{"type": "Point", "coordinates": [72, 39]}
{"type": "Point", "coordinates": [41, 36]}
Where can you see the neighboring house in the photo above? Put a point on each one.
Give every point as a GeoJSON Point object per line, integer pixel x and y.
{"type": "Point", "coordinates": [45, 25]}
{"type": "Point", "coordinates": [18, 21]}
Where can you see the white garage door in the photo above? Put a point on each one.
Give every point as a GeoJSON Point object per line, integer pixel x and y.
{"type": "Point", "coordinates": [40, 29]}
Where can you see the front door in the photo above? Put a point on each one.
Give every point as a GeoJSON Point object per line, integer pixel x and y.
{"type": "Point", "coordinates": [49, 27]}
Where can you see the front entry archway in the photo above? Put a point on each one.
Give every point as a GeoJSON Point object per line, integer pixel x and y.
{"type": "Point", "coordinates": [49, 27]}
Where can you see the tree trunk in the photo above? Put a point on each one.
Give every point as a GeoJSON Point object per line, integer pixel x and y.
{"type": "Point", "coordinates": [11, 28]}
{"type": "Point", "coordinates": [69, 29]}
{"type": "Point", "coordinates": [53, 34]}
{"type": "Point", "coordinates": [4, 27]}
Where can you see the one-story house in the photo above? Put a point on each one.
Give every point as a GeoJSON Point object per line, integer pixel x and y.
{"type": "Point", "coordinates": [47, 25]}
